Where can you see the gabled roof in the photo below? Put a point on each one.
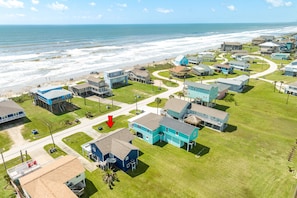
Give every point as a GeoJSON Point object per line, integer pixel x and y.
{"type": "Point", "coordinates": [49, 181]}
{"type": "Point", "coordinates": [200, 85]}
{"type": "Point", "coordinates": [176, 105]}
{"type": "Point", "coordinates": [9, 107]}
{"type": "Point", "coordinates": [177, 126]}
{"type": "Point", "coordinates": [269, 44]}
{"type": "Point", "coordinates": [222, 66]}
{"type": "Point", "coordinates": [93, 79]}
{"type": "Point", "coordinates": [179, 58]}
{"type": "Point", "coordinates": [140, 72]}
{"type": "Point", "coordinates": [150, 121]}
{"type": "Point", "coordinates": [121, 148]}
{"type": "Point", "coordinates": [179, 69]}
{"type": "Point", "coordinates": [209, 111]}
{"type": "Point", "coordinates": [105, 143]}
{"type": "Point", "coordinates": [202, 67]}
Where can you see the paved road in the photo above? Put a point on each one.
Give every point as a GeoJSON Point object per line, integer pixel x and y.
{"type": "Point", "coordinates": [35, 148]}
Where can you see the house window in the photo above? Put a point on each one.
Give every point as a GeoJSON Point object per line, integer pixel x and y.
{"type": "Point", "coordinates": [94, 149]}
{"type": "Point", "coordinates": [146, 138]}
{"type": "Point", "coordinates": [166, 129]}
{"type": "Point", "coordinates": [176, 133]}
{"type": "Point", "coordinates": [78, 176]}
{"type": "Point", "coordinates": [127, 158]}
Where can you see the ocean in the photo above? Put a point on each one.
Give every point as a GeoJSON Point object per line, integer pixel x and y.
{"type": "Point", "coordinates": [36, 54]}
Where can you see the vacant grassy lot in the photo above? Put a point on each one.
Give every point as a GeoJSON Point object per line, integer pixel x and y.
{"type": "Point", "coordinates": [56, 154]}
{"type": "Point", "coordinates": [136, 91]}
{"type": "Point", "coordinates": [119, 122]}
{"type": "Point", "coordinates": [278, 76]}
{"type": "Point", "coordinates": [161, 105]}
{"type": "Point", "coordinates": [44, 121]}
{"type": "Point", "coordinates": [250, 159]}
{"type": "Point", "coordinates": [5, 141]}
{"type": "Point", "coordinates": [76, 140]}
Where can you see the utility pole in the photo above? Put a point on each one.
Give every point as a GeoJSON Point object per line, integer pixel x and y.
{"type": "Point", "coordinates": [3, 159]}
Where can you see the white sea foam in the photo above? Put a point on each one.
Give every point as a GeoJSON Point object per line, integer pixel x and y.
{"type": "Point", "coordinates": [20, 71]}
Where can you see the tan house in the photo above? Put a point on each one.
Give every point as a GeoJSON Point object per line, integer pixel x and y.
{"type": "Point", "coordinates": [139, 75]}
{"type": "Point", "coordinates": [65, 177]}
{"type": "Point", "coordinates": [229, 46]}
{"type": "Point", "coordinates": [179, 71]}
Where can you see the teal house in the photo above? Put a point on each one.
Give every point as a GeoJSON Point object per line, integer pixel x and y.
{"type": "Point", "coordinates": [153, 128]}
{"type": "Point", "coordinates": [203, 93]}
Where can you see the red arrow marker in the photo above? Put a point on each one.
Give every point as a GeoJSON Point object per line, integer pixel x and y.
{"type": "Point", "coordinates": [110, 122]}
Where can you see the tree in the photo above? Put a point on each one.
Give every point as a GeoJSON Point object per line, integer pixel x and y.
{"type": "Point", "coordinates": [109, 177]}
{"type": "Point", "coordinates": [280, 87]}
{"type": "Point", "coordinates": [180, 94]}
{"type": "Point", "coordinates": [158, 101]}
{"type": "Point", "coordinates": [171, 96]}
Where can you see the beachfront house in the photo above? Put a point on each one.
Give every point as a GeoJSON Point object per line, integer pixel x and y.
{"type": "Point", "coordinates": [204, 94]}
{"type": "Point", "coordinates": [229, 46]}
{"type": "Point", "coordinates": [116, 148]}
{"type": "Point", "coordinates": [291, 69]}
{"type": "Point", "coordinates": [291, 88]}
{"type": "Point", "coordinates": [203, 116]}
{"type": "Point", "coordinates": [269, 48]}
{"type": "Point", "coordinates": [240, 65]}
{"type": "Point", "coordinates": [180, 60]}
{"type": "Point", "coordinates": [202, 70]}
{"type": "Point", "coordinates": [236, 84]}
{"type": "Point", "coordinates": [116, 78]}
{"type": "Point", "coordinates": [54, 98]}
{"type": "Point", "coordinates": [223, 68]}
{"type": "Point", "coordinates": [280, 56]}
{"type": "Point", "coordinates": [180, 71]}
{"type": "Point", "coordinates": [9, 110]}
{"type": "Point", "coordinates": [139, 75]}
{"type": "Point", "coordinates": [286, 45]}
{"type": "Point", "coordinates": [94, 86]}
{"type": "Point", "coordinates": [258, 40]}
{"type": "Point", "coordinates": [153, 128]}
{"type": "Point", "coordinates": [64, 177]}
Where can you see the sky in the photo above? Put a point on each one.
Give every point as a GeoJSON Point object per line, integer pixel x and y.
{"type": "Point", "coordinates": [146, 11]}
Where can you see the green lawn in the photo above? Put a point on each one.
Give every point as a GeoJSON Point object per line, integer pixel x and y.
{"type": "Point", "coordinates": [250, 159]}
{"type": "Point", "coordinates": [75, 141]}
{"type": "Point", "coordinates": [44, 121]}
{"type": "Point", "coordinates": [56, 154]}
{"type": "Point", "coordinates": [5, 141]}
{"type": "Point", "coordinates": [7, 190]}
{"type": "Point", "coordinates": [136, 91]}
{"type": "Point", "coordinates": [278, 76]}
{"type": "Point", "coordinates": [119, 122]}
{"type": "Point", "coordinates": [161, 105]}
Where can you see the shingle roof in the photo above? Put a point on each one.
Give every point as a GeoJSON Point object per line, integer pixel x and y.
{"type": "Point", "coordinates": [93, 79]}
{"type": "Point", "coordinates": [105, 143]}
{"type": "Point", "coordinates": [9, 107]}
{"type": "Point", "coordinates": [140, 72]}
{"type": "Point", "coordinates": [150, 121]}
{"type": "Point", "coordinates": [121, 148]}
{"type": "Point", "coordinates": [200, 85]}
{"type": "Point", "coordinates": [49, 181]}
{"type": "Point", "coordinates": [176, 105]}
{"type": "Point", "coordinates": [178, 69]}
{"type": "Point", "coordinates": [177, 126]}
{"type": "Point", "coordinates": [209, 111]}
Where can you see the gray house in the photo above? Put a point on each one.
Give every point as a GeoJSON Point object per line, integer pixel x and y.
{"type": "Point", "coordinates": [139, 75]}
{"type": "Point", "coordinates": [9, 110]}
{"type": "Point", "coordinates": [240, 65]}
{"type": "Point", "coordinates": [202, 70]}
{"type": "Point", "coordinates": [291, 69]}
{"type": "Point", "coordinates": [236, 84]}
{"type": "Point", "coordinates": [229, 46]}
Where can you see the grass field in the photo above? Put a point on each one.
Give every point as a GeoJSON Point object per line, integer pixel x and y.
{"type": "Point", "coordinates": [76, 140]}
{"type": "Point", "coordinates": [161, 105]}
{"type": "Point", "coordinates": [136, 91]}
{"type": "Point", "coordinates": [44, 121]}
{"type": "Point", "coordinates": [278, 76]}
{"type": "Point", "coordinates": [250, 159]}
{"type": "Point", "coordinates": [59, 152]}
{"type": "Point", "coordinates": [5, 141]}
{"type": "Point", "coordinates": [119, 122]}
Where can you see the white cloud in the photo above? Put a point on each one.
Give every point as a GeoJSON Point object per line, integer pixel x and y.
{"type": "Point", "coordinates": [11, 4]}
{"type": "Point", "coordinates": [122, 5]}
{"type": "Point", "coordinates": [213, 10]}
{"type": "Point", "coordinates": [231, 7]}
{"type": "Point", "coordinates": [33, 9]}
{"type": "Point", "coordinates": [92, 3]}
{"type": "Point", "coordinates": [279, 3]}
{"type": "Point", "coordinates": [35, 1]}
{"type": "Point", "coordinates": [145, 10]}
{"type": "Point", "coordinates": [58, 6]}
{"type": "Point", "coordinates": [164, 11]}
{"type": "Point", "coordinates": [99, 16]}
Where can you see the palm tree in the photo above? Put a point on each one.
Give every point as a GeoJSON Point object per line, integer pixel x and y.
{"type": "Point", "coordinates": [158, 101]}
{"type": "Point", "coordinates": [280, 87]}
{"type": "Point", "coordinates": [109, 177]}
{"type": "Point", "coordinates": [180, 94]}
{"type": "Point", "coordinates": [274, 85]}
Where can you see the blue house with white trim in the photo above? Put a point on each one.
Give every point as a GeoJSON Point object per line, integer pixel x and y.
{"type": "Point", "coordinates": [51, 98]}
{"type": "Point", "coordinates": [180, 60]}
{"type": "Point", "coordinates": [116, 148]}
{"type": "Point", "coordinates": [153, 128]}
{"type": "Point", "coordinates": [291, 69]}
